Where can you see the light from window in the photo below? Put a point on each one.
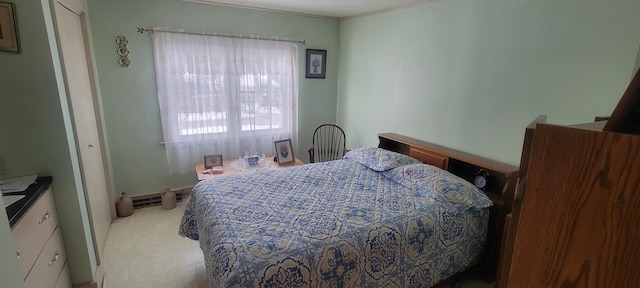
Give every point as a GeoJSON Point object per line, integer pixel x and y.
{"type": "Point", "coordinates": [205, 113]}
{"type": "Point", "coordinates": [224, 94]}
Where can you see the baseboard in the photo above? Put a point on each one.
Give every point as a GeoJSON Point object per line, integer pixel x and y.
{"type": "Point", "coordinates": [155, 199]}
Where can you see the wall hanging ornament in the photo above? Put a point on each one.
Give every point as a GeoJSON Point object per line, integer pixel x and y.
{"type": "Point", "coordinates": [123, 52]}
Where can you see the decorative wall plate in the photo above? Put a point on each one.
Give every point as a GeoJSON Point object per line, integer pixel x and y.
{"type": "Point", "coordinates": [122, 51]}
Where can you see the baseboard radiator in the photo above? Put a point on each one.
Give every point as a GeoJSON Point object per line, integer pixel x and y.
{"type": "Point", "coordinates": [155, 199]}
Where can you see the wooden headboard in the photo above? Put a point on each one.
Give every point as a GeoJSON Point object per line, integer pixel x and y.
{"type": "Point", "coordinates": [500, 188]}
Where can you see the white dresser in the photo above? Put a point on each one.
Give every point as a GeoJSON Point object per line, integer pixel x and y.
{"type": "Point", "coordinates": [39, 245]}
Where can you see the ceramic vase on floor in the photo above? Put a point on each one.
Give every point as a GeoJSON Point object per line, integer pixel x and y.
{"type": "Point", "coordinates": [168, 199]}
{"type": "Point", "coordinates": [124, 206]}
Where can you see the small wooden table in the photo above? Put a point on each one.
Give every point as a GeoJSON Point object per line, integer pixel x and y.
{"type": "Point", "coordinates": [226, 165]}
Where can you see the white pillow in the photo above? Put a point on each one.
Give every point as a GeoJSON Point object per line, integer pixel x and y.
{"type": "Point", "coordinates": [439, 184]}
{"type": "Point", "coordinates": [379, 159]}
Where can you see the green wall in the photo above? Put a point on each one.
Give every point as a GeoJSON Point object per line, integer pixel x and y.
{"type": "Point", "coordinates": [635, 67]}
{"type": "Point", "coordinates": [129, 94]}
{"type": "Point", "coordinates": [36, 133]}
{"type": "Point", "coordinates": [472, 74]}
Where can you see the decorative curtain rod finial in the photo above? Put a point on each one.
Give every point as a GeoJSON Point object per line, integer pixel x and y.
{"type": "Point", "coordinates": [141, 30]}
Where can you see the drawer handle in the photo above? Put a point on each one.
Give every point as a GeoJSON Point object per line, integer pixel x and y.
{"type": "Point", "coordinates": [45, 217]}
{"type": "Point", "coordinates": [18, 253]}
{"type": "Point", "coordinates": [55, 258]}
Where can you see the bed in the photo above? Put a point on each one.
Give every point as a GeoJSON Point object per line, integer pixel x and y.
{"type": "Point", "coordinates": [377, 218]}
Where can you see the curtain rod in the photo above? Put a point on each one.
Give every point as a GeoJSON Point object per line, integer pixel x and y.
{"type": "Point", "coordinates": [142, 30]}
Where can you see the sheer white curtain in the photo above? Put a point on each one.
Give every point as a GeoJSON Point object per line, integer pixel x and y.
{"type": "Point", "coordinates": [221, 95]}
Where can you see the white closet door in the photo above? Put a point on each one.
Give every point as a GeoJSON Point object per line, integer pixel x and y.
{"type": "Point", "coordinates": [81, 96]}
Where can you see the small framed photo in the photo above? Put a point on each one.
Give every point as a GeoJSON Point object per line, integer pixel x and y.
{"type": "Point", "coordinates": [316, 63]}
{"type": "Point", "coordinates": [253, 161]}
{"type": "Point", "coordinates": [284, 152]}
{"type": "Point", "coordinates": [8, 29]}
{"type": "Point", "coordinates": [212, 160]}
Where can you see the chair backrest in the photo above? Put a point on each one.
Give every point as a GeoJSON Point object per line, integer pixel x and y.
{"type": "Point", "coordinates": [329, 143]}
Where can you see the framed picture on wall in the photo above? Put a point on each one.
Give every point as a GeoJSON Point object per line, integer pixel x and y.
{"type": "Point", "coordinates": [8, 29]}
{"type": "Point", "coordinates": [316, 63]}
{"type": "Point", "coordinates": [284, 152]}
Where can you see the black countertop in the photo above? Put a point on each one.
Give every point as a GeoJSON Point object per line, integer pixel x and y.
{"type": "Point", "coordinates": [33, 192]}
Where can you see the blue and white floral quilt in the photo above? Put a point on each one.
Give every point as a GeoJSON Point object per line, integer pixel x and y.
{"type": "Point", "coordinates": [337, 224]}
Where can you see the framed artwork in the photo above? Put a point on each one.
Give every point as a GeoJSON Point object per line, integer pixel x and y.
{"type": "Point", "coordinates": [316, 63]}
{"type": "Point", "coordinates": [8, 30]}
{"type": "Point", "coordinates": [212, 160]}
{"type": "Point", "coordinates": [284, 152]}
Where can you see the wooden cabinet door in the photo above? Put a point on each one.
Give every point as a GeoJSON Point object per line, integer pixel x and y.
{"type": "Point", "coordinates": [579, 222]}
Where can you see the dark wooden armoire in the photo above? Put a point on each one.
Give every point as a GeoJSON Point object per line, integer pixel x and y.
{"type": "Point", "coordinates": [576, 214]}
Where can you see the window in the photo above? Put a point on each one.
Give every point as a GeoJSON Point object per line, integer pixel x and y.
{"type": "Point", "coordinates": [224, 95]}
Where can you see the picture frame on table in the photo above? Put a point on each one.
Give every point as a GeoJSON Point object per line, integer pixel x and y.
{"type": "Point", "coordinates": [212, 160]}
{"type": "Point", "coordinates": [253, 161]}
{"type": "Point", "coordinates": [284, 152]}
{"type": "Point", "coordinates": [316, 63]}
{"type": "Point", "coordinates": [9, 40]}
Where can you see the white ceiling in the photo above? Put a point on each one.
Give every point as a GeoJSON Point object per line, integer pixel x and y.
{"type": "Point", "coordinates": [322, 8]}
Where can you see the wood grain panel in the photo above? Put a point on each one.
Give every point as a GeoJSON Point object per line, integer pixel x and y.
{"type": "Point", "coordinates": [429, 157]}
{"type": "Point", "coordinates": [579, 220]}
{"type": "Point", "coordinates": [511, 223]}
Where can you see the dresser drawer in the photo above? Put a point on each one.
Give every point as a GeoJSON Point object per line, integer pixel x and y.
{"type": "Point", "coordinates": [64, 280]}
{"type": "Point", "coordinates": [33, 231]}
{"type": "Point", "coordinates": [47, 268]}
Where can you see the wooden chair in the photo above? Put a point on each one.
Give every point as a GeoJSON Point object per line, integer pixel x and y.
{"type": "Point", "coordinates": [329, 143]}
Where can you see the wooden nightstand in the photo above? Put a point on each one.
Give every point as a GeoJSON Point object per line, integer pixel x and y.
{"type": "Point", "coordinates": [226, 164]}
